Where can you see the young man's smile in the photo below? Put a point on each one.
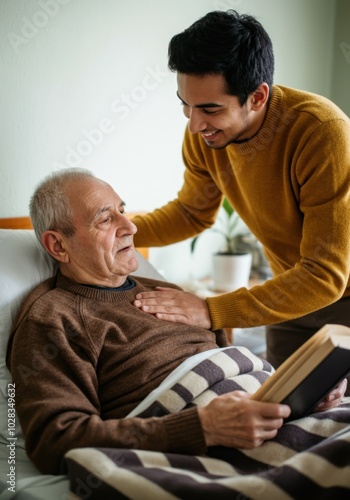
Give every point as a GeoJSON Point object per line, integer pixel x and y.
{"type": "Point", "coordinates": [216, 115]}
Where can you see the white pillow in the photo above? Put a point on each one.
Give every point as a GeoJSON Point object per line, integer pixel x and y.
{"type": "Point", "coordinates": [24, 264]}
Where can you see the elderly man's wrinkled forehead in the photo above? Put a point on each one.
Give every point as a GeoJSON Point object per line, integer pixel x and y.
{"type": "Point", "coordinates": [89, 196]}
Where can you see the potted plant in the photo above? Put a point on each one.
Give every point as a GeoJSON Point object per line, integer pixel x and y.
{"type": "Point", "coordinates": [232, 264]}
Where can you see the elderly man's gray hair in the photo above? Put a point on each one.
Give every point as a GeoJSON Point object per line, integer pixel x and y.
{"type": "Point", "coordinates": [49, 207]}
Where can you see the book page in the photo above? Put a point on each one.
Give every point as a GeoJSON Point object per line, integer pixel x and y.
{"type": "Point", "coordinates": [341, 340]}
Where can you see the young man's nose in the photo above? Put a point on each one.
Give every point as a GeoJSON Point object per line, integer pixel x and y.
{"type": "Point", "coordinates": [196, 123]}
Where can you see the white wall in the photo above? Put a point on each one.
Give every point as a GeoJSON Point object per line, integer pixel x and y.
{"type": "Point", "coordinates": [85, 82]}
{"type": "Point", "coordinates": [341, 60]}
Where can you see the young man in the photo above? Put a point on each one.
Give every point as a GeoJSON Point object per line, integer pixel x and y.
{"type": "Point", "coordinates": [282, 158]}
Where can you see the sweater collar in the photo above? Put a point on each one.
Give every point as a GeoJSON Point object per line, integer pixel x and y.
{"type": "Point", "coordinates": [268, 129]}
{"type": "Point", "coordinates": [99, 293]}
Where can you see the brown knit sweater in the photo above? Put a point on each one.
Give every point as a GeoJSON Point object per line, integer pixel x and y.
{"type": "Point", "coordinates": [82, 358]}
{"type": "Point", "coordinates": [290, 184]}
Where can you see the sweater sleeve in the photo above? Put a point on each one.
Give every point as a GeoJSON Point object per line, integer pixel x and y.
{"type": "Point", "coordinates": [58, 407]}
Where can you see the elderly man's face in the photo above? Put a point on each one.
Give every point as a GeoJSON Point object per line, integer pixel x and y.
{"type": "Point", "coordinates": [101, 252]}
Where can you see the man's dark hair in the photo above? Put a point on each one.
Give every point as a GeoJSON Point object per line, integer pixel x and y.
{"type": "Point", "coordinates": [227, 43]}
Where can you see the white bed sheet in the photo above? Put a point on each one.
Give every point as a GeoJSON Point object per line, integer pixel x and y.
{"type": "Point", "coordinates": [30, 484]}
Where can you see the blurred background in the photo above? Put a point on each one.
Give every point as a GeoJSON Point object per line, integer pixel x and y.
{"type": "Point", "coordinates": [84, 83]}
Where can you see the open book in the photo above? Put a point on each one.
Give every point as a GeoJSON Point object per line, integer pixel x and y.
{"type": "Point", "coordinates": [311, 372]}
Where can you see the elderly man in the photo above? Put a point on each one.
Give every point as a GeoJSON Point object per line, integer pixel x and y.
{"type": "Point", "coordinates": [82, 356]}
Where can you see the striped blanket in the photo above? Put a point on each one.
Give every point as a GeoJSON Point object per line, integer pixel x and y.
{"type": "Point", "coordinates": [309, 457]}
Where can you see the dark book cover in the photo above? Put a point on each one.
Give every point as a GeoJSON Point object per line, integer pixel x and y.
{"type": "Point", "coordinates": [315, 387]}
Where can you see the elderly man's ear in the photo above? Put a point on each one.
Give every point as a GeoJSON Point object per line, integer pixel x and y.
{"type": "Point", "coordinates": [54, 245]}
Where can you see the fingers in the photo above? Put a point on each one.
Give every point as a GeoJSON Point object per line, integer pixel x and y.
{"type": "Point", "coordinates": [174, 305]}
{"type": "Point", "coordinates": [165, 313]}
{"type": "Point", "coordinates": [327, 405]}
{"type": "Point", "coordinates": [174, 318]}
{"type": "Point", "coordinates": [157, 301]}
{"type": "Point", "coordinates": [333, 399]}
{"type": "Point", "coordinates": [338, 392]}
{"type": "Point", "coordinates": [159, 295]}
{"type": "Point", "coordinates": [156, 307]}
{"type": "Point", "coordinates": [235, 420]}
{"type": "Point", "coordinates": [341, 388]}
{"type": "Point", "coordinates": [268, 410]}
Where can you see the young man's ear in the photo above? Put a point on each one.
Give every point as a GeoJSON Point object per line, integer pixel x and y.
{"type": "Point", "coordinates": [260, 96]}
{"type": "Point", "coordinates": [53, 244]}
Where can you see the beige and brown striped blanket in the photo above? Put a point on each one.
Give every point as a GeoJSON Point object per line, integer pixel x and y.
{"type": "Point", "coordinates": [309, 458]}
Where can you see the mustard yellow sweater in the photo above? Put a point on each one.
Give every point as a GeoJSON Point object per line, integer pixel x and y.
{"type": "Point", "coordinates": [291, 185]}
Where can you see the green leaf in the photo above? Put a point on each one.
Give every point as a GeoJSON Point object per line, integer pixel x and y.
{"type": "Point", "coordinates": [227, 207]}
{"type": "Point", "coordinates": [193, 243]}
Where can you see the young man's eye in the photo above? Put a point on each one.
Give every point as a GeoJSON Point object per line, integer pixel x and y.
{"type": "Point", "coordinates": [209, 112]}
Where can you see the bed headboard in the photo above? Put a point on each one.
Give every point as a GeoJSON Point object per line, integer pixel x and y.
{"type": "Point", "coordinates": [16, 223]}
{"type": "Point", "coordinates": [25, 223]}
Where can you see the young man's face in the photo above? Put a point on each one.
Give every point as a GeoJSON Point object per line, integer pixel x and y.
{"type": "Point", "coordinates": [101, 252]}
{"type": "Point", "coordinates": [216, 116]}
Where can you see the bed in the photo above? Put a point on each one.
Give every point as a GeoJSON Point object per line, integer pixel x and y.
{"type": "Point", "coordinates": [310, 458]}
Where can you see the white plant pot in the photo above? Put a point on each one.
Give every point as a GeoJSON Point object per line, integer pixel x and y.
{"type": "Point", "coordinates": [231, 272]}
